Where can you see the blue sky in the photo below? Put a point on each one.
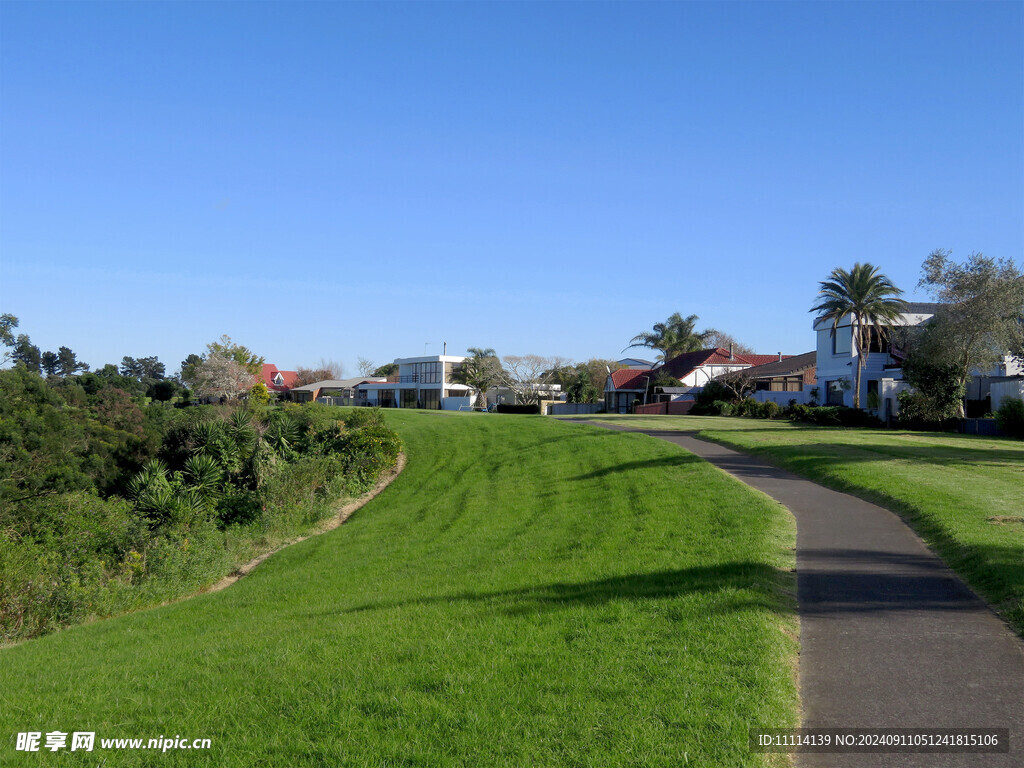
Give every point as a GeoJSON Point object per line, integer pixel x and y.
{"type": "Point", "coordinates": [333, 180]}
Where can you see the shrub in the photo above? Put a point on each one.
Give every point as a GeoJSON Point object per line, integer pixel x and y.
{"type": "Point", "coordinates": [917, 411]}
{"type": "Point", "coordinates": [708, 401]}
{"type": "Point", "coordinates": [1010, 416]}
{"type": "Point", "coordinates": [769, 410]}
{"type": "Point", "coordinates": [366, 453]}
{"type": "Point", "coordinates": [364, 417]}
{"type": "Point", "coordinates": [748, 406]}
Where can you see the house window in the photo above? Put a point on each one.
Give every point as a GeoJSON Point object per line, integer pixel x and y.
{"type": "Point", "coordinates": [833, 335]}
{"type": "Point", "coordinates": [408, 398]}
{"type": "Point", "coordinates": [876, 340]}
{"type": "Point", "coordinates": [835, 393]}
{"type": "Point", "coordinates": [430, 398]}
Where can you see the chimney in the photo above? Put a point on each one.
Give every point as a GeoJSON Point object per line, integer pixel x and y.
{"type": "Point", "coordinates": [780, 357]}
{"type": "Point", "coordinates": [730, 350]}
{"type": "Point", "coordinates": [444, 349]}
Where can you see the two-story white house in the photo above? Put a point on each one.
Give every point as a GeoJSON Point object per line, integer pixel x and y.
{"type": "Point", "coordinates": [882, 377]}
{"type": "Point", "coordinates": [421, 382]}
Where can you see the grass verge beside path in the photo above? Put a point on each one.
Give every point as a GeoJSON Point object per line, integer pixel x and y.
{"type": "Point", "coordinates": [964, 495]}
{"type": "Point", "coordinates": [526, 592]}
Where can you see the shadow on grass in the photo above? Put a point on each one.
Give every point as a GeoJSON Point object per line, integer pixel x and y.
{"type": "Point", "coordinates": [630, 466]}
{"type": "Point", "coordinates": [856, 452]}
{"type": "Point", "coordinates": [750, 584]}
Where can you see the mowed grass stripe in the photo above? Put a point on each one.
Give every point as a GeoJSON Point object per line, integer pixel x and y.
{"type": "Point", "coordinates": [963, 494]}
{"type": "Point", "coordinates": [527, 592]}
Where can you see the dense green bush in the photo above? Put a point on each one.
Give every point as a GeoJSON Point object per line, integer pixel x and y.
{"type": "Point", "coordinates": [832, 416]}
{"type": "Point", "coordinates": [711, 399]}
{"type": "Point", "coordinates": [918, 411]}
{"type": "Point", "coordinates": [1010, 416]}
{"type": "Point", "coordinates": [108, 504]}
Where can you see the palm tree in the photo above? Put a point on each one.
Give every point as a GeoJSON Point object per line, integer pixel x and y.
{"type": "Point", "coordinates": [479, 371]}
{"type": "Point", "coordinates": [869, 298]}
{"type": "Point", "coordinates": [673, 337]}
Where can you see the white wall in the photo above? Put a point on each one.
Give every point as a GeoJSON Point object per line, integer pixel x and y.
{"type": "Point", "coordinates": [1005, 389]}
{"type": "Point", "coordinates": [456, 403]}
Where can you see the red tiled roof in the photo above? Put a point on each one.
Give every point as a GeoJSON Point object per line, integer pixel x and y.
{"type": "Point", "coordinates": [630, 378]}
{"type": "Point", "coordinates": [763, 359]}
{"type": "Point", "coordinates": [684, 364]}
{"type": "Point", "coordinates": [270, 371]}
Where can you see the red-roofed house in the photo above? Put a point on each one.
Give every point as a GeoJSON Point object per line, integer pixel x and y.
{"type": "Point", "coordinates": [693, 369]}
{"type": "Point", "coordinates": [624, 387]}
{"type": "Point", "coordinates": [277, 381]}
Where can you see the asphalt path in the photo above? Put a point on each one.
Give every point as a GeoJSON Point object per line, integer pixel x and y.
{"type": "Point", "coordinates": [889, 636]}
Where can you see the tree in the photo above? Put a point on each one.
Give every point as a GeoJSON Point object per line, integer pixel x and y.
{"type": "Point", "coordinates": [481, 371]}
{"type": "Point", "coordinates": [8, 323]}
{"type": "Point", "coordinates": [581, 390]}
{"type": "Point", "coordinates": [938, 394]}
{"type": "Point", "coordinates": [67, 363]}
{"type": "Point", "coordinates": [673, 337]}
{"type": "Point", "coordinates": [529, 375]}
{"type": "Point", "coordinates": [43, 444]}
{"type": "Point", "coordinates": [146, 370]}
{"type": "Point", "coordinates": [27, 353]}
{"type": "Point", "coordinates": [739, 384]}
{"type": "Point", "coordinates": [869, 298]}
{"type": "Point", "coordinates": [327, 370]}
{"type": "Point", "coordinates": [225, 347]}
{"type": "Point", "coordinates": [365, 366]}
{"type": "Point", "coordinates": [981, 320]}
{"type": "Point", "coordinates": [219, 376]}
{"type": "Point", "coordinates": [388, 369]}
{"type": "Point", "coordinates": [188, 368]}
{"type": "Point", "coordinates": [48, 363]}
{"type": "Point", "coordinates": [727, 341]}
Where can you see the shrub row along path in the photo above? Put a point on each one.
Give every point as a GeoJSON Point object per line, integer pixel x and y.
{"type": "Point", "coordinates": [890, 637]}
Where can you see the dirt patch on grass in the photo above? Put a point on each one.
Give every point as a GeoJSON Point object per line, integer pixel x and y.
{"type": "Point", "coordinates": [1004, 519]}
{"type": "Point", "coordinates": [329, 524]}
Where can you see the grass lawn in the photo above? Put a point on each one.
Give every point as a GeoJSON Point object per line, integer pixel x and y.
{"type": "Point", "coordinates": [963, 494]}
{"type": "Point", "coordinates": [526, 593]}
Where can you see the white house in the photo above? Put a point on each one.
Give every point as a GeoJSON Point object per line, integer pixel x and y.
{"type": "Point", "coordinates": [882, 377]}
{"type": "Point", "coordinates": [422, 382]}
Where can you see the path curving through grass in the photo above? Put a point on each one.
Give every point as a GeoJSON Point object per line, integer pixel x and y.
{"type": "Point", "coordinates": [526, 592]}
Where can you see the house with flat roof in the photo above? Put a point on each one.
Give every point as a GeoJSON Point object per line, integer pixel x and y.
{"type": "Point", "coordinates": [421, 382]}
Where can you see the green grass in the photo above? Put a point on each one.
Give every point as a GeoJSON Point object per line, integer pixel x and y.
{"type": "Point", "coordinates": [963, 494]}
{"type": "Point", "coordinates": [526, 593]}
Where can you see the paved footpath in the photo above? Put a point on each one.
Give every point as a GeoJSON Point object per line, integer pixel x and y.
{"type": "Point", "coordinates": [890, 637]}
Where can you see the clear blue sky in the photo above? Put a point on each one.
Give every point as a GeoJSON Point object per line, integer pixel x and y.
{"type": "Point", "coordinates": [333, 180]}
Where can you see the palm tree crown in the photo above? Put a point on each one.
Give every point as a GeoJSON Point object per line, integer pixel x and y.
{"type": "Point", "coordinates": [869, 298]}
{"type": "Point", "coordinates": [673, 337]}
